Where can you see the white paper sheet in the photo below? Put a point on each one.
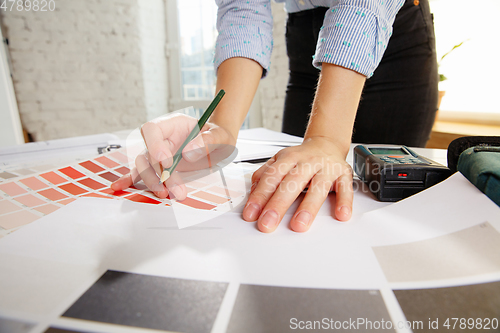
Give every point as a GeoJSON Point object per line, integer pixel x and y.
{"type": "Point", "coordinates": [252, 151]}
{"type": "Point", "coordinates": [76, 244]}
{"type": "Point", "coordinates": [264, 134]}
{"type": "Point", "coordinates": [45, 266]}
{"type": "Point", "coordinates": [258, 143]}
{"type": "Point", "coordinates": [449, 206]}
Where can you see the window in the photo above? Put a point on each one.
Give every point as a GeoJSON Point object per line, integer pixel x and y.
{"type": "Point", "coordinates": [472, 69]}
{"type": "Point", "coordinates": [197, 32]}
{"type": "Point", "coordinates": [192, 33]}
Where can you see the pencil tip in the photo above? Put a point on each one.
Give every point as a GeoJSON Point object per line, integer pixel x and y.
{"type": "Point", "coordinates": [164, 176]}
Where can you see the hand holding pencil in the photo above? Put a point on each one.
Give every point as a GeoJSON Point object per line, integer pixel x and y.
{"type": "Point", "coordinates": [170, 147]}
{"type": "Point", "coordinates": [194, 132]}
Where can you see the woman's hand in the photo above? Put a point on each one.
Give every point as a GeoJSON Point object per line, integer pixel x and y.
{"type": "Point", "coordinates": [318, 164]}
{"type": "Point", "coordinates": [239, 77]}
{"type": "Point", "coordinates": [163, 137]}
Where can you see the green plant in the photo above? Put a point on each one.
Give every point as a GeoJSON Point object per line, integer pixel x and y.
{"type": "Point", "coordinates": [442, 77]}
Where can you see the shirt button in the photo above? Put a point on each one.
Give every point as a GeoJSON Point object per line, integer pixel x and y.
{"type": "Point", "coordinates": [416, 2]}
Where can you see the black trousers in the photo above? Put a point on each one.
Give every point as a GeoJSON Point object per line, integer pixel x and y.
{"type": "Point", "coordinates": [399, 102]}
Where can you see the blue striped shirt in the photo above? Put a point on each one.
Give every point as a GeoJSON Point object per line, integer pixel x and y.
{"type": "Point", "coordinates": [354, 34]}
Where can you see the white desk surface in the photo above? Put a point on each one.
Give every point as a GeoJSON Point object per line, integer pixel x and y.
{"type": "Point", "coordinates": [119, 266]}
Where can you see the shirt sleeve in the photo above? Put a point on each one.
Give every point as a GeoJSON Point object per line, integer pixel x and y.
{"type": "Point", "coordinates": [245, 30]}
{"type": "Point", "coordinates": [355, 34]}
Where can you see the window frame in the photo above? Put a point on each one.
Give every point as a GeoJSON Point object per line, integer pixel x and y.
{"type": "Point", "coordinates": [447, 113]}
{"type": "Point", "coordinates": [172, 52]}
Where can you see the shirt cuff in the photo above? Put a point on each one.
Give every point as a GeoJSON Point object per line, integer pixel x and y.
{"type": "Point", "coordinates": [354, 37]}
{"type": "Point", "coordinates": [246, 42]}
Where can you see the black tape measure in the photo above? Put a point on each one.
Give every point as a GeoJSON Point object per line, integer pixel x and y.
{"type": "Point", "coordinates": [396, 172]}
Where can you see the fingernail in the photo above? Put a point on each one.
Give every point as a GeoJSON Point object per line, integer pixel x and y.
{"type": "Point", "coordinates": [193, 153]}
{"type": "Point", "coordinates": [303, 218]}
{"type": "Point", "coordinates": [159, 194]}
{"type": "Point", "coordinates": [346, 211]}
{"type": "Point", "coordinates": [252, 211]}
{"type": "Point", "coordinates": [175, 191]}
{"type": "Point", "coordinates": [269, 220]}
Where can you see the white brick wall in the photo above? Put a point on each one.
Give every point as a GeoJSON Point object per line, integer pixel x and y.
{"type": "Point", "coordinates": [85, 67]}
{"type": "Point", "coordinates": [98, 66]}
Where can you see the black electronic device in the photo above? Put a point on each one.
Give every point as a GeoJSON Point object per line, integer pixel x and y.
{"type": "Point", "coordinates": [396, 172]}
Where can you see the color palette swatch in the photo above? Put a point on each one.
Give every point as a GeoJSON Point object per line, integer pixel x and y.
{"type": "Point", "coordinates": [468, 252]}
{"type": "Point", "coordinates": [153, 302]}
{"type": "Point", "coordinates": [7, 175]}
{"type": "Point", "coordinates": [271, 309]}
{"type": "Point", "coordinates": [10, 172]}
{"type": "Point", "coordinates": [480, 302]}
{"type": "Point", "coordinates": [26, 199]}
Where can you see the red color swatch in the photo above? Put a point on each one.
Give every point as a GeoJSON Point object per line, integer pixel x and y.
{"type": "Point", "coordinates": [141, 198]}
{"type": "Point", "coordinates": [123, 170]}
{"type": "Point", "coordinates": [95, 185]}
{"type": "Point", "coordinates": [196, 204]}
{"type": "Point", "coordinates": [53, 177]}
{"type": "Point", "coordinates": [107, 162]}
{"type": "Point", "coordinates": [72, 173]}
{"type": "Point", "coordinates": [95, 195]}
{"type": "Point", "coordinates": [73, 189]}
{"type": "Point", "coordinates": [91, 166]}
{"type": "Point", "coordinates": [210, 197]}
{"type": "Point", "coordinates": [117, 193]}
{"type": "Point", "coordinates": [109, 176]}
{"type": "Point", "coordinates": [34, 183]}
{"type": "Point", "coordinates": [52, 194]}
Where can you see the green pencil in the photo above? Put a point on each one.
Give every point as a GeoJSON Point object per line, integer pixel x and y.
{"type": "Point", "coordinates": [178, 156]}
